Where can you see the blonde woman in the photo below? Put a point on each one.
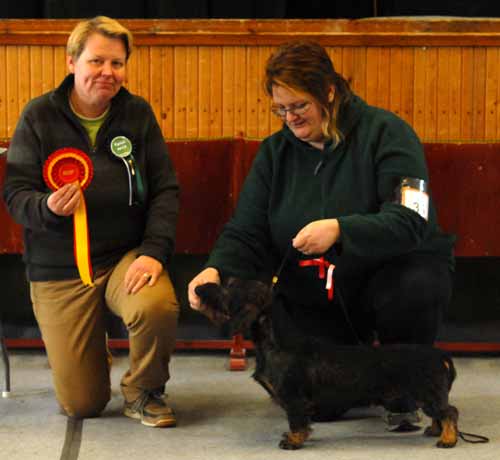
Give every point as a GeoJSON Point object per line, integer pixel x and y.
{"type": "Point", "coordinates": [131, 200]}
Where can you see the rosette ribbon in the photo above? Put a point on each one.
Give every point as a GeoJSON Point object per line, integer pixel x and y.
{"type": "Point", "coordinates": [64, 166]}
{"type": "Point", "coordinates": [325, 270]}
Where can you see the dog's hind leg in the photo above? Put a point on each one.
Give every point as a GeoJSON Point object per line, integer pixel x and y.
{"type": "Point", "coordinates": [435, 429]}
{"type": "Point", "coordinates": [297, 411]}
{"type": "Point", "coordinates": [446, 427]}
{"type": "Point", "coordinates": [449, 434]}
{"type": "Point", "coordinates": [299, 432]}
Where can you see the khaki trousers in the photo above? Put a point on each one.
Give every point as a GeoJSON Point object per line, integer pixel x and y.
{"type": "Point", "coordinates": [71, 320]}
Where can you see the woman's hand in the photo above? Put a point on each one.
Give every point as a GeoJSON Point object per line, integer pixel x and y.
{"type": "Point", "coordinates": [317, 237]}
{"type": "Point", "coordinates": [64, 201]}
{"type": "Point", "coordinates": [143, 270]}
{"type": "Point", "coordinates": [209, 275]}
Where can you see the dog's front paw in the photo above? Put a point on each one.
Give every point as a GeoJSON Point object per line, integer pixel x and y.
{"type": "Point", "coordinates": [288, 443]}
{"type": "Point", "coordinates": [294, 440]}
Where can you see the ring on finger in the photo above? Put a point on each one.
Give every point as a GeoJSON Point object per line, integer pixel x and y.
{"type": "Point", "coordinates": [146, 275]}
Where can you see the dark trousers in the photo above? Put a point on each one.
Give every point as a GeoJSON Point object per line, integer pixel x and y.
{"type": "Point", "coordinates": [401, 302]}
{"type": "Point", "coordinates": [405, 300]}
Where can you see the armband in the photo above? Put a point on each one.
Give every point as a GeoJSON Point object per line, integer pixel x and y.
{"type": "Point", "coordinates": [413, 194]}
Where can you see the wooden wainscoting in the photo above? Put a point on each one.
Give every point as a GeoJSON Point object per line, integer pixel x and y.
{"type": "Point", "coordinates": [204, 77]}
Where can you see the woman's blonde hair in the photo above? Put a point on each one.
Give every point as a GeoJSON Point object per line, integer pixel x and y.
{"type": "Point", "coordinates": [305, 67]}
{"type": "Point", "coordinates": [101, 25]}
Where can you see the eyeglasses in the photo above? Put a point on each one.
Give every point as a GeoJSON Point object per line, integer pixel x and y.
{"type": "Point", "coordinates": [297, 109]}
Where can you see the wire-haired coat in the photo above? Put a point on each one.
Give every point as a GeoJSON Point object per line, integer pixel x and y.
{"type": "Point", "coordinates": [307, 376]}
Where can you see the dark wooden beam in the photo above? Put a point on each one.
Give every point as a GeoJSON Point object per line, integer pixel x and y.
{"type": "Point", "coordinates": [411, 31]}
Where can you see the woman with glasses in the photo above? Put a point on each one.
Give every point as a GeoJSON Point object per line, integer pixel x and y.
{"type": "Point", "coordinates": [337, 204]}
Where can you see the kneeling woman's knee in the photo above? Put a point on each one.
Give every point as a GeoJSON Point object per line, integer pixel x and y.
{"type": "Point", "coordinates": [85, 405]}
{"type": "Point", "coordinates": [159, 312]}
{"type": "Point", "coordinates": [424, 287]}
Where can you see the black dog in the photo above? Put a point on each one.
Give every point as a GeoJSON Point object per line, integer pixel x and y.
{"type": "Point", "coordinates": [305, 377]}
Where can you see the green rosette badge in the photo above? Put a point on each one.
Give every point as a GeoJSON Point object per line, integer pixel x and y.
{"type": "Point", "coordinates": [121, 147]}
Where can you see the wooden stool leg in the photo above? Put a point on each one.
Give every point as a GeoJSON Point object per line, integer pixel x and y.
{"type": "Point", "coordinates": [6, 363]}
{"type": "Point", "coordinates": [237, 356]}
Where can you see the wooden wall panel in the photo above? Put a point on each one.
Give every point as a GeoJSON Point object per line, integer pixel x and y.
{"type": "Point", "coordinates": [419, 91]}
{"type": "Point", "coordinates": [467, 100]}
{"type": "Point", "coordinates": [216, 74]}
{"type": "Point", "coordinates": [3, 93]}
{"type": "Point", "coordinates": [384, 78]}
{"type": "Point", "coordinates": [132, 78]}
{"type": "Point", "coordinates": [497, 105]}
{"type": "Point", "coordinates": [168, 91]}
{"type": "Point", "coordinates": [181, 92]}
{"type": "Point", "coordinates": [240, 93]}
{"type": "Point", "coordinates": [192, 85]}
{"type": "Point", "coordinates": [253, 80]}
{"type": "Point", "coordinates": [60, 68]}
{"type": "Point", "coordinates": [443, 94]}
{"type": "Point", "coordinates": [11, 70]}
{"type": "Point", "coordinates": [144, 71]}
{"type": "Point", "coordinates": [48, 80]}
{"type": "Point", "coordinates": [456, 92]}
{"type": "Point", "coordinates": [228, 91]}
{"type": "Point", "coordinates": [342, 61]}
{"type": "Point", "coordinates": [395, 80]}
{"type": "Point", "coordinates": [441, 77]}
{"type": "Point", "coordinates": [479, 93]}
{"type": "Point", "coordinates": [263, 102]}
{"type": "Point", "coordinates": [156, 82]}
{"type": "Point", "coordinates": [492, 69]}
{"type": "Point", "coordinates": [35, 66]}
{"type": "Point", "coordinates": [372, 61]}
{"type": "Point", "coordinates": [24, 83]}
{"type": "Point", "coordinates": [358, 78]}
{"type": "Point", "coordinates": [407, 84]}
{"type": "Point", "coordinates": [431, 80]}
{"type": "Point", "coordinates": [204, 92]}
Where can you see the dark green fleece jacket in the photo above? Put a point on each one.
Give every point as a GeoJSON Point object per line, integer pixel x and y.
{"type": "Point", "coordinates": [292, 184]}
{"type": "Point", "coordinates": [48, 124]}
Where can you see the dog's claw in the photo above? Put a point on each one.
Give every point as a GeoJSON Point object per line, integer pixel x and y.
{"type": "Point", "coordinates": [445, 445]}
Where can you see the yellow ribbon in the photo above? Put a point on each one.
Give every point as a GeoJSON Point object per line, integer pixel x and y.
{"type": "Point", "coordinates": [81, 242]}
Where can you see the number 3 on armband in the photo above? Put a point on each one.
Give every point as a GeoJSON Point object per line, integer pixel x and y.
{"type": "Point", "coordinates": [417, 200]}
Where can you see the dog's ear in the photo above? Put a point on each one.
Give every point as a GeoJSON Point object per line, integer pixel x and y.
{"type": "Point", "coordinates": [214, 301]}
{"type": "Point", "coordinates": [210, 294]}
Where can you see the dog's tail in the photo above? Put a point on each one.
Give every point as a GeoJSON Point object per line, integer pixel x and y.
{"type": "Point", "coordinates": [450, 367]}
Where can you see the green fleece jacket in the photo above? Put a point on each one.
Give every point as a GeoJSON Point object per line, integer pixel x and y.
{"type": "Point", "coordinates": [48, 124]}
{"type": "Point", "coordinates": [292, 184]}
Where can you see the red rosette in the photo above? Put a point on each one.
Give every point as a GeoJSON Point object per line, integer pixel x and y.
{"type": "Point", "coordinates": [68, 165]}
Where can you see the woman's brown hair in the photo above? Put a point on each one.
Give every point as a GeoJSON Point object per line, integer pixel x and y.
{"type": "Point", "coordinates": [305, 67]}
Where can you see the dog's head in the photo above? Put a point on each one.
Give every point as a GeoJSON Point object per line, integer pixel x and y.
{"type": "Point", "coordinates": [237, 301]}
